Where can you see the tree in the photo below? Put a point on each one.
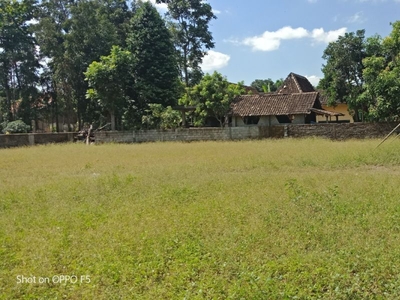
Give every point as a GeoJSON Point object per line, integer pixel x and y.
{"type": "Point", "coordinates": [213, 97]}
{"type": "Point", "coordinates": [18, 59]}
{"type": "Point", "coordinates": [92, 35]}
{"type": "Point", "coordinates": [127, 82]}
{"type": "Point", "coordinates": [156, 73]}
{"type": "Point", "coordinates": [190, 29]}
{"type": "Point", "coordinates": [266, 85]}
{"type": "Point", "coordinates": [73, 34]}
{"type": "Point", "coordinates": [51, 31]}
{"type": "Point", "coordinates": [382, 76]}
{"type": "Point", "coordinates": [343, 72]}
{"type": "Point", "coordinates": [108, 81]}
{"type": "Point", "coordinates": [159, 117]}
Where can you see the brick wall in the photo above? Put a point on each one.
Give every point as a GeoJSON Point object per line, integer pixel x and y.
{"type": "Point", "coordinates": [25, 139]}
{"type": "Point", "coordinates": [341, 131]}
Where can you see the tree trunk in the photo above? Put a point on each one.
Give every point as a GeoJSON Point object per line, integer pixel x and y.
{"type": "Point", "coordinates": [54, 98]}
{"type": "Point", "coordinates": [8, 94]}
{"type": "Point", "coordinates": [112, 115]}
{"type": "Point", "coordinates": [185, 67]}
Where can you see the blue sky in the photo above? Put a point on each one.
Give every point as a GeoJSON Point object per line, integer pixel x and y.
{"type": "Point", "coordinates": [257, 39]}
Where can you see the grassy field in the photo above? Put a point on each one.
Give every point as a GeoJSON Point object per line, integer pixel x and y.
{"type": "Point", "coordinates": [272, 219]}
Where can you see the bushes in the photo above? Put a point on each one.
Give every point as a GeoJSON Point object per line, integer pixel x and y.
{"type": "Point", "coordinates": [15, 127]}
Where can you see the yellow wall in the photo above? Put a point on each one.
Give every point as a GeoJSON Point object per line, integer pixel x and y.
{"type": "Point", "coordinates": [342, 108]}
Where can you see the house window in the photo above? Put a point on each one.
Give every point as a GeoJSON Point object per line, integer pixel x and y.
{"type": "Point", "coordinates": [251, 120]}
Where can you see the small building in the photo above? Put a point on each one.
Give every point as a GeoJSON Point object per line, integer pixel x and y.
{"type": "Point", "coordinates": [296, 102]}
{"type": "Point", "coordinates": [338, 107]}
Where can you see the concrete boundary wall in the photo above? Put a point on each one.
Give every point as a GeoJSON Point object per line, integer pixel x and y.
{"type": "Point", "coordinates": [29, 139]}
{"type": "Point", "coordinates": [190, 134]}
{"type": "Point", "coordinates": [341, 131]}
{"type": "Point", "coordinates": [338, 131]}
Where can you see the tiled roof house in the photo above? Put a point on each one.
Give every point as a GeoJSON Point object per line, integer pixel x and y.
{"type": "Point", "coordinates": [296, 101]}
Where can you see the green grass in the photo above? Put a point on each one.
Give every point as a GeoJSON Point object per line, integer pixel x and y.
{"type": "Point", "coordinates": [271, 219]}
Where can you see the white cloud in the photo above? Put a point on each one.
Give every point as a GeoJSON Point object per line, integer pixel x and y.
{"type": "Point", "coordinates": [216, 11]}
{"type": "Point", "coordinates": [271, 40]}
{"type": "Point", "coordinates": [319, 35]}
{"type": "Point", "coordinates": [357, 18]}
{"type": "Point", "coordinates": [312, 1]}
{"type": "Point", "coordinates": [313, 79]}
{"type": "Point", "coordinates": [214, 60]}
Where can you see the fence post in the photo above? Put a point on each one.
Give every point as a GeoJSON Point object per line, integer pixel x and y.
{"type": "Point", "coordinates": [31, 139]}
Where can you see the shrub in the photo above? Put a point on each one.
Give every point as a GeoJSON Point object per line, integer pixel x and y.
{"type": "Point", "coordinates": [160, 117]}
{"type": "Point", "coordinates": [16, 127]}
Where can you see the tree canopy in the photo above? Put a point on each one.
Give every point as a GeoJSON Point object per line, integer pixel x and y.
{"type": "Point", "coordinates": [189, 23]}
{"type": "Point", "coordinates": [19, 59]}
{"type": "Point", "coordinates": [364, 73]}
{"type": "Point", "coordinates": [97, 61]}
{"type": "Point", "coordinates": [212, 97]}
{"type": "Point", "coordinates": [343, 78]}
{"type": "Point", "coordinates": [156, 73]}
{"type": "Point", "coordinates": [266, 85]}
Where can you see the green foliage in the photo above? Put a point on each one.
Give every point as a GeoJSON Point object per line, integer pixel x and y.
{"type": "Point", "coordinates": [382, 73]}
{"type": "Point", "coordinates": [109, 79]}
{"type": "Point", "coordinates": [343, 78]}
{"type": "Point", "coordinates": [212, 97]}
{"type": "Point", "coordinates": [15, 127]}
{"type": "Point", "coordinates": [127, 82]}
{"type": "Point", "coordinates": [266, 85]}
{"type": "Point", "coordinates": [155, 69]}
{"type": "Point", "coordinates": [18, 57]}
{"type": "Point", "coordinates": [161, 118]}
{"type": "Point", "coordinates": [365, 73]}
{"type": "Point", "coordinates": [73, 34]}
{"type": "Point", "coordinates": [190, 30]}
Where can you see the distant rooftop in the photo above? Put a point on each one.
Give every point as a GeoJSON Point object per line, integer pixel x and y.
{"type": "Point", "coordinates": [295, 83]}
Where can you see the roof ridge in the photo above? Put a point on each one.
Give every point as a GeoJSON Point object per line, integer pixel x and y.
{"type": "Point", "coordinates": [298, 75]}
{"type": "Point", "coordinates": [313, 92]}
{"type": "Point", "coordinates": [294, 77]}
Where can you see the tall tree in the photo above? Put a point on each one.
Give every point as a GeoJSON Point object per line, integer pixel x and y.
{"type": "Point", "coordinates": [343, 72]}
{"type": "Point", "coordinates": [127, 82]}
{"type": "Point", "coordinates": [155, 69]}
{"type": "Point", "coordinates": [72, 34]}
{"type": "Point", "coordinates": [192, 38]}
{"type": "Point", "coordinates": [82, 47]}
{"type": "Point", "coordinates": [51, 32]}
{"type": "Point", "coordinates": [18, 58]}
